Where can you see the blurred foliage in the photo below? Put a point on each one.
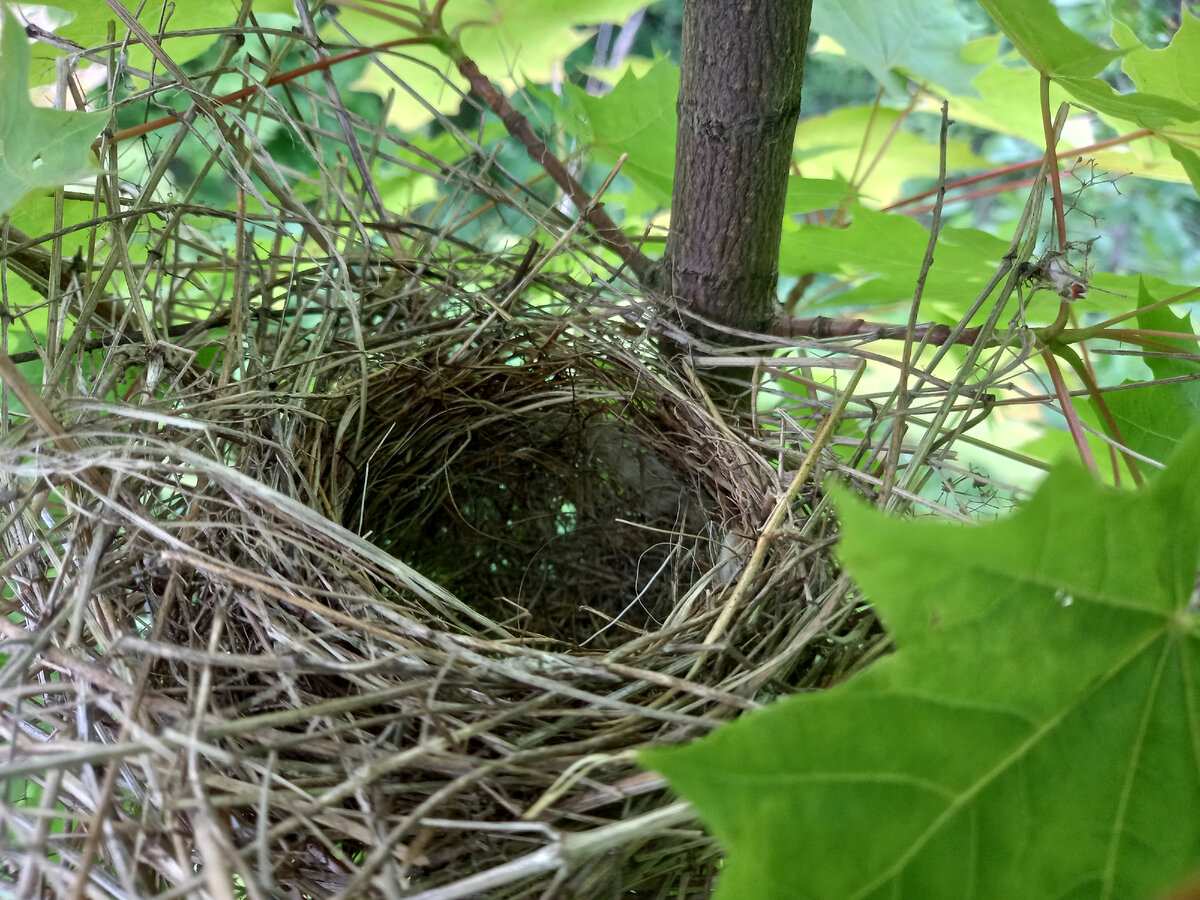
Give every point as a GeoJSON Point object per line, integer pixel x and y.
{"type": "Point", "coordinates": [1157, 234]}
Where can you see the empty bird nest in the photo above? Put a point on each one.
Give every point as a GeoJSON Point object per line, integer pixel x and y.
{"type": "Point", "coordinates": [374, 590]}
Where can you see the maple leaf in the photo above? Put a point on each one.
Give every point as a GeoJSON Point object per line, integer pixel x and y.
{"type": "Point", "coordinates": [39, 148]}
{"type": "Point", "coordinates": [1036, 734]}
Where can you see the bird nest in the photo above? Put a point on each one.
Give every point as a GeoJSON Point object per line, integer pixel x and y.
{"type": "Point", "coordinates": [333, 616]}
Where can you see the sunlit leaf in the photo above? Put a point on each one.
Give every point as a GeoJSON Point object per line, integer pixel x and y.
{"type": "Point", "coordinates": [512, 41]}
{"type": "Point", "coordinates": [1145, 110]}
{"type": "Point", "coordinates": [923, 37]}
{"type": "Point", "coordinates": [885, 251]}
{"type": "Point", "coordinates": [1004, 99]}
{"type": "Point", "coordinates": [1171, 73]}
{"type": "Point", "coordinates": [849, 140]}
{"type": "Point", "coordinates": [636, 118]}
{"type": "Point", "coordinates": [39, 148]}
{"type": "Point", "coordinates": [409, 185]}
{"type": "Point", "coordinates": [1041, 37]}
{"type": "Point", "coordinates": [810, 194]}
{"type": "Point", "coordinates": [1147, 157]}
{"type": "Point", "coordinates": [1167, 94]}
{"type": "Point", "coordinates": [90, 21]}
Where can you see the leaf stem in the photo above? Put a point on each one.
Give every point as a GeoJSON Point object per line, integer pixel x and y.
{"type": "Point", "coordinates": [1022, 166]}
{"type": "Point", "coordinates": [1074, 425]}
{"type": "Point", "coordinates": [1051, 135]}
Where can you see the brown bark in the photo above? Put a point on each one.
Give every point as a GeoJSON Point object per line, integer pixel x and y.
{"type": "Point", "coordinates": [739, 101]}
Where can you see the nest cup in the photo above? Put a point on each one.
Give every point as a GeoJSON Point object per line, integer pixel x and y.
{"type": "Point", "coordinates": [549, 479]}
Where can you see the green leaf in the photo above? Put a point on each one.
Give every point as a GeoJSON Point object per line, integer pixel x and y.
{"type": "Point", "coordinates": [637, 118]}
{"type": "Point", "coordinates": [1004, 98]}
{"type": "Point", "coordinates": [512, 42]}
{"type": "Point", "coordinates": [1147, 110]}
{"type": "Point", "coordinates": [412, 183]}
{"type": "Point", "coordinates": [1154, 417]}
{"type": "Point", "coordinates": [1190, 160]}
{"type": "Point", "coordinates": [34, 216]}
{"type": "Point", "coordinates": [39, 148]}
{"type": "Point", "coordinates": [1035, 735]}
{"type": "Point", "coordinates": [809, 194]}
{"type": "Point", "coordinates": [837, 143]}
{"type": "Point", "coordinates": [1171, 73]}
{"type": "Point", "coordinates": [1167, 83]}
{"type": "Point", "coordinates": [90, 20]}
{"type": "Point", "coordinates": [1149, 157]}
{"type": "Point", "coordinates": [1041, 37]}
{"type": "Point", "coordinates": [885, 251]}
{"type": "Point", "coordinates": [1116, 291]}
{"type": "Point", "coordinates": [922, 37]}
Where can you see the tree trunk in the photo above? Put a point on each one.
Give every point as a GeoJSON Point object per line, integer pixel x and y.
{"type": "Point", "coordinates": [739, 100]}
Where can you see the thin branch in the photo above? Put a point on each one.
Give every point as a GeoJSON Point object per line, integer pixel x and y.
{"type": "Point", "coordinates": [1021, 167]}
{"type": "Point", "coordinates": [1158, 304]}
{"type": "Point", "coordinates": [592, 212]}
{"type": "Point", "coordinates": [127, 134]}
{"type": "Point", "coordinates": [824, 327]}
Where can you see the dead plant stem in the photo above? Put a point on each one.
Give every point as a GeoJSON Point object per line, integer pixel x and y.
{"type": "Point", "coordinates": [570, 851]}
{"type": "Point", "coordinates": [782, 506]}
{"type": "Point", "coordinates": [903, 395]}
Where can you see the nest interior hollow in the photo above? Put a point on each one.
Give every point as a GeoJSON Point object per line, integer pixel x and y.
{"type": "Point", "coordinates": [538, 486]}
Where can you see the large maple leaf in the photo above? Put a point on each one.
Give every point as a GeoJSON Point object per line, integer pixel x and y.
{"type": "Point", "coordinates": [1036, 734]}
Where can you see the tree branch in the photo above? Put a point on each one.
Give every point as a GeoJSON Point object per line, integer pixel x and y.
{"type": "Point", "coordinates": [741, 75]}
{"type": "Point", "coordinates": [592, 211]}
{"type": "Point", "coordinates": [821, 327]}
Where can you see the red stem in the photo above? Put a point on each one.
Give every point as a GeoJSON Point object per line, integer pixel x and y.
{"type": "Point", "coordinates": [1060, 216]}
{"type": "Point", "coordinates": [975, 195]}
{"type": "Point", "coordinates": [1068, 410]}
{"type": "Point", "coordinates": [1084, 370]}
{"type": "Point", "coordinates": [1021, 166]}
{"type": "Point", "coordinates": [291, 75]}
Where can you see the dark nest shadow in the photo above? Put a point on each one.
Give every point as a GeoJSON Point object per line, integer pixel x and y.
{"type": "Point", "coordinates": [541, 481]}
